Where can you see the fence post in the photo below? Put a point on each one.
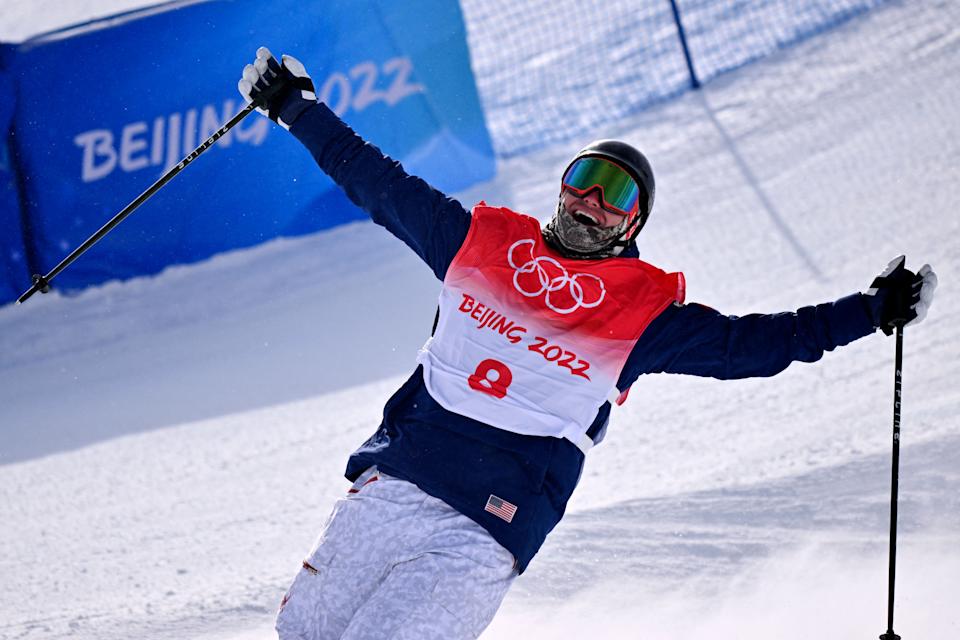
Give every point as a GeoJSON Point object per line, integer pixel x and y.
{"type": "Point", "coordinates": [694, 81]}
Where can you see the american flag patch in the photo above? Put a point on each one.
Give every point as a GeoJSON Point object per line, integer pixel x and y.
{"type": "Point", "coordinates": [500, 508]}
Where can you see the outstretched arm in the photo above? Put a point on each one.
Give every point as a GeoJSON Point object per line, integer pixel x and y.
{"type": "Point", "coordinates": [695, 339]}
{"type": "Point", "coordinates": [429, 222]}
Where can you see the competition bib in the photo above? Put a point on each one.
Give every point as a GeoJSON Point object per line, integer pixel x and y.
{"type": "Point", "coordinates": [532, 342]}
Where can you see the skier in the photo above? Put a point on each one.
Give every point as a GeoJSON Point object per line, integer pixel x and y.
{"type": "Point", "coordinates": [538, 332]}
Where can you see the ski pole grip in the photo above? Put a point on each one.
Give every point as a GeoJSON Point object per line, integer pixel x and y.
{"type": "Point", "coordinates": [265, 97]}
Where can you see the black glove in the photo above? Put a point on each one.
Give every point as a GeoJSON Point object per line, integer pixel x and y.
{"type": "Point", "coordinates": [906, 295]}
{"type": "Point", "coordinates": [281, 91]}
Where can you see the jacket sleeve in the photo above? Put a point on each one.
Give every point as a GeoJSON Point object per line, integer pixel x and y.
{"type": "Point", "coordinates": [429, 222]}
{"type": "Point", "coordinates": [696, 340]}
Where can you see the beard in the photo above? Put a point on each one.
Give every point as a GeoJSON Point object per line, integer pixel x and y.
{"type": "Point", "coordinates": [584, 240]}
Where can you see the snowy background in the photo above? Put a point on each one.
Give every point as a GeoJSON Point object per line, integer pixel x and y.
{"type": "Point", "coordinates": [170, 446]}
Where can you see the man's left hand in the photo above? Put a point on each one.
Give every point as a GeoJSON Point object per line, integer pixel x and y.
{"type": "Point", "coordinates": [906, 295]}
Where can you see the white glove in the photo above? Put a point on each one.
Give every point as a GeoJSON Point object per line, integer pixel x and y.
{"type": "Point", "coordinates": [906, 296]}
{"type": "Point", "coordinates": [281, 91]}
{"type": "Point", "coordinates": [927, 287]}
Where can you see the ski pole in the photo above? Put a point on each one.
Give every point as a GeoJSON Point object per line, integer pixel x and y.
{"type": "Point", "coordinates": [894, 482]}
{"type": "Point", "coordinates": [41, 283]}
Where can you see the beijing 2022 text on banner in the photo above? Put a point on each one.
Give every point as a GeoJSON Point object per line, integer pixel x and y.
{"type": "Point", "coordinates": [104, 109]}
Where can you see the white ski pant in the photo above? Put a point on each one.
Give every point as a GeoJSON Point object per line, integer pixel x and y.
{"type": "Point", "coordinates": [393, 563]}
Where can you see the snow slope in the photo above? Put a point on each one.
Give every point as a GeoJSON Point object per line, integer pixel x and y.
{"type": "Point", "coordinates": [170, 446]}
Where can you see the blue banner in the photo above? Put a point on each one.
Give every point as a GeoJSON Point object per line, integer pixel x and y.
{"type": "Point", "coordinates": [105, 108]}
{"type": "Point", "coordinates": [14, 273]}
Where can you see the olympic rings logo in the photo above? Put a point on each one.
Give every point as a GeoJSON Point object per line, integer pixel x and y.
{"type": "Point", "coordinates": [543, 275]}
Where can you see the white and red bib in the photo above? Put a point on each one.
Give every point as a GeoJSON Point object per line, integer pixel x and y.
{"type": "Point", "coordinates": [530, 341]}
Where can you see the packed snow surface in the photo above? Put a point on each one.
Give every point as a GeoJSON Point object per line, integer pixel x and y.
{"type": "Point", "coordinates": [170, 446]}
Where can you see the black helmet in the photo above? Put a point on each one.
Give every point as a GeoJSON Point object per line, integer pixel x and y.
{"type": "Point", "coordinates": [572, 239]}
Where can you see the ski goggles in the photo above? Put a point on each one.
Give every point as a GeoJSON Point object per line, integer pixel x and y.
{"type": "Point", "coordinates": [620, 192]}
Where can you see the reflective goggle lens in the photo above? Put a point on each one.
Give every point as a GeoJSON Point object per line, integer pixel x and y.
{"type": "Point", "coordinates": [620, 191]}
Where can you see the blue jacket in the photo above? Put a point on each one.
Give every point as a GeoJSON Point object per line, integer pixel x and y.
{"type": "Point", "coordinates": [463, 461]}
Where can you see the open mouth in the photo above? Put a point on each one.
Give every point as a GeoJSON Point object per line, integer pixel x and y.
{"type": "Point", "coordinates": [585, 219]}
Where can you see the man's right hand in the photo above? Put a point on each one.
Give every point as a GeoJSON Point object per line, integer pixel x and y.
{"type": "Point", "coordinates": [281, 91]}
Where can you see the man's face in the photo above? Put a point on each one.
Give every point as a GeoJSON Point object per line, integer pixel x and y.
{"type": "Point", "coordinates": [584, 226]}
{"type": "Point", "coordinates": [588, 209]}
